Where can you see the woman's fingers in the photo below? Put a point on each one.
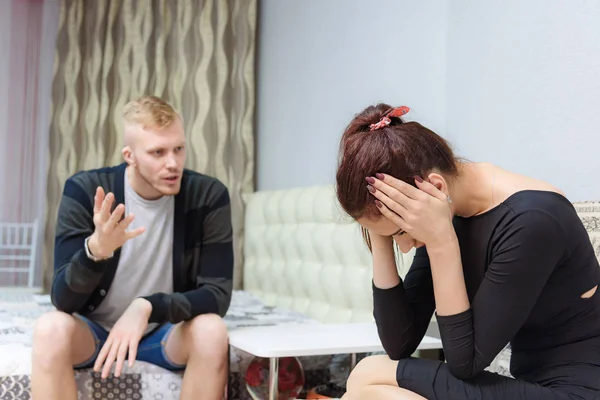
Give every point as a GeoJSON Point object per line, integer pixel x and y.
{"type": "Point", "coordinates": [389, 202]}
{"type": "Point", "coordinates": [430, 189]}
{"type": "Point", "coordinates": [407, 190]}
{"type": "Point", "coordinates": [390, 192]}
{"type": "Point", "coordinates": [391, 215]}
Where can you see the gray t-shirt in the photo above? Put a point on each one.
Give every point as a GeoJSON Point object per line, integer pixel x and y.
{"type": "Point", "coordinates": [146, 262]}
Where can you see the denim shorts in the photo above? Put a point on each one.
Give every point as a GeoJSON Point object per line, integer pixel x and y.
{"type": "Point", "coordinates": [151, 348]}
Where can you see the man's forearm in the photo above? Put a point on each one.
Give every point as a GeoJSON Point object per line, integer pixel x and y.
{"type": "Point", "coordinates": [72, 286]}
{"type": "Point", "coordinates": [178, 307]}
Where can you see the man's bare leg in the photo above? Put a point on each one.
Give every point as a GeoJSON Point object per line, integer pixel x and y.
{"type": "Point", "coordinates": [59, 342]}
{"type": "Point", "coordinates": [202, 344]}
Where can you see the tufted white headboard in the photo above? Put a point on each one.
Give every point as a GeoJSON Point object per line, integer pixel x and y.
{"type": "Point", "coordinates": [302, 252]}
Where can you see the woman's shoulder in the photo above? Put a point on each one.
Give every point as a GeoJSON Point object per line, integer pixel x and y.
{"type": "Point", "coordinates": [511, 183]}
{"type": "Point", "coordinates": [533, 214]}
{"type": "Point", "coordinates": [522, 203]}
{"type": "Point", "coordinates": [521, 206]}
{"type": "Point", "coordinates": [527, 200]}
{"type": "Point", "coordinates": [525, 213]}
{"type": "Point", "coordinates": [521, 194]}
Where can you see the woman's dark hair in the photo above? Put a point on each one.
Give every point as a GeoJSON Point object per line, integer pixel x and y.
{"type": "Point", "coordinates": [400, 149]}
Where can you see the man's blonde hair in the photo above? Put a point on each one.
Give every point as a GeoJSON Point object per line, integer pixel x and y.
{"type": "Point", "coordinates": [149, 111]}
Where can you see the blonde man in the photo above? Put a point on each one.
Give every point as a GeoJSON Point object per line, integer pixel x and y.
{"type": "Point", "coordinates": [143, 266]}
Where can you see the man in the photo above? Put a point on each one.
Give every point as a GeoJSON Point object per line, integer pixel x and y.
{"type": "Point", "coordinates": [151, 287]}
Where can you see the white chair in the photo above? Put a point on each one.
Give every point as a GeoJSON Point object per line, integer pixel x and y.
{"type": "Point", "coordinates": [18, 248]}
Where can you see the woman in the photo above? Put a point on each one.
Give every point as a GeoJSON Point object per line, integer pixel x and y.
{"type": "Point", "coordinates": [500, 257]}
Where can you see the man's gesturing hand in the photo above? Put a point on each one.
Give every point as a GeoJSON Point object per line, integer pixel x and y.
{"type": "Point", "coordinates": [124, 338]}
{"type": "Point", "coordinates": [110, 232]}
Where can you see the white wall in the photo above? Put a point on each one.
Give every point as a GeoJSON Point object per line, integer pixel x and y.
{"type": "Point", "coordinates": [515, 83]}
{"type": "Point", "coordinates": [320, 62]}
{"type": "Point", "coordinates": [523, 88]}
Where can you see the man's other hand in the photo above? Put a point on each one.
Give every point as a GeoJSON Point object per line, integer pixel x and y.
{"type": "Point", "coordinates": [124, 338]}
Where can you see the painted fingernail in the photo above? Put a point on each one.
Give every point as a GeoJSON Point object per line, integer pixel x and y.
{"type": "Point", "coordinates": [378, 203]}
{"type": "Point", "coordinates": [379, 176]}
{"type": "Point", "coordinates": [370, 188]}
{"type": "Point", "coordinates": [418, 179]}
{"type": "Point", "coordinates": [369, 179]}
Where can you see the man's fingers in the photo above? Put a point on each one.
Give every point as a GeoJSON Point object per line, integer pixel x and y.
{"type": "Point", "coordinates": [106, 205]}
{"type": "Point", "coordinates": [98, 199]}
{"type": "Point", "coordinates": [116, 215]}
{"type": "Point", "coordinates": [122, 353]}
{"type": "Point", "coordinates": [133, 347]}
{"type": "Point", "coordinates": [125, 222]}
{"type": "Point", "coordinates": [135, 232]}
{"type": "Point", "coordinates": [110, 360]}
{"type": "Point", "coordinates": [102, 355]}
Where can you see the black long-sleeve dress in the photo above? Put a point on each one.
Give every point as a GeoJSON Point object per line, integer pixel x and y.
{"type": "Point", "coordinates": [526, 264]}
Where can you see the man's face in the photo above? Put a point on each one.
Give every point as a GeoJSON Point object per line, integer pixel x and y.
{"type": "Point", "coordinates": [159, 157]}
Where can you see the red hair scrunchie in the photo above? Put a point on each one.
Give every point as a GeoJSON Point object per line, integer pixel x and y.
{"type": "Point", "coordinates": [385, 120]}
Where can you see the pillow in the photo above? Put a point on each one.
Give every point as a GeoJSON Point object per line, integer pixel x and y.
{"type": "Point", "coordinates": [589, 212]}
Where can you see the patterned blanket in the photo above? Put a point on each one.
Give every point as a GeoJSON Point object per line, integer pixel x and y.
{"type": "Point", "coordinates": [18, 312]}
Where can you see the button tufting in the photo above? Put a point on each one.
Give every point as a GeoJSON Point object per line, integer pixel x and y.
{"type": "Point", "coordinates": [302, 252]}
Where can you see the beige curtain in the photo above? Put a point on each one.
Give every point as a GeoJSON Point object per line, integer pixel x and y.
{"type": "Point", "coordinates": [197, 54]}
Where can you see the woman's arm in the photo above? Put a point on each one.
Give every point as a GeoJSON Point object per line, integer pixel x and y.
{"type": "Point", "coordinates": [447, 273]}
{"type": "Point", "coordinates": [402, 310]}
{"type": "Point", "coordinates": [524, 255]}
{"type": "Point", "coordinates": [385, 272]}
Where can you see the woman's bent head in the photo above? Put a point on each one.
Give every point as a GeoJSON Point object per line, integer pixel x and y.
{"type": "Point", "coordinates": [378, 140]}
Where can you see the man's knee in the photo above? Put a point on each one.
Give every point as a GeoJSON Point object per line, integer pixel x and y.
{"type": "Point", "coordinates": [53, 336]}
{"type": "Point", "coordinates": [208, 335]}
{"type": "Point", "coordinates": [53, 329]}
{"type": "Point", "coordinates": [369, 371]}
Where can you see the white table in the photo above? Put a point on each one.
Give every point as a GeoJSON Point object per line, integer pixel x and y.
{"type": "Point", "coordinates": [310, 339]}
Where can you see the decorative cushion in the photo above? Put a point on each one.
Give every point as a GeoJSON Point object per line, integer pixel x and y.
{"type": "Point", "coordinates": [589, 212]}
